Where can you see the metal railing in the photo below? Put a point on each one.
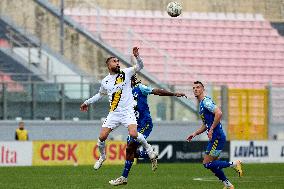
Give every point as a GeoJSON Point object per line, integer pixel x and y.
{"type": "Point", "coordinates": [29, 52]}
{"type": "Point", "coordinates": [82, 51]}
{"type": "Point", "coordinates": [61, 101]}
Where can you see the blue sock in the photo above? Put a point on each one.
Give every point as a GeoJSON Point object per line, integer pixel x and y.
{"type": "Point", "coordinates": [217, 164]}
{"type": "Point", "coordinates": [142, 154]}
{"type": "Point", "coordinates": [220, 174]}
{"type": "Point", "coordinates": [127, 168]}
{"type": "Point", "coordinates": [217, 170]}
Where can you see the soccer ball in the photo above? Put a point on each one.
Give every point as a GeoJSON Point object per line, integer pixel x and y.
{"type": "Point", "coordinates": [174, 9]}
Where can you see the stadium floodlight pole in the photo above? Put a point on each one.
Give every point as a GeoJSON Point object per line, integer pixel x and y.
{"type": "Point", "coordinates": [61, 27]}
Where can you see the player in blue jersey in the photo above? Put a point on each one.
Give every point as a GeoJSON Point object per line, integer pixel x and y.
{"type": "Point", "coordinates": [211, 117]}
{"type": "Point", "coordinates": [145, 125]}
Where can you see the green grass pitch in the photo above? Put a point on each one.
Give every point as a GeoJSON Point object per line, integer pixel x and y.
{"type": "Point", "coordinates": [172, 176]}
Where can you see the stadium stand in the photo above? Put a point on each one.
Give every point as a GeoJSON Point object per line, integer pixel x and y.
{"type": "Point", "coordinates": [244, 48]}
{"type": "Point", "coordinates": [12, 86]}
{"type": "Point", "coordinates": [4, 43]}
{"type": "Point", "coordinates": [16, 70]}
{"type": "Point", "coordinates": [270, 9]}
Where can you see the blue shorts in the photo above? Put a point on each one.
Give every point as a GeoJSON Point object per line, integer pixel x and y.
{"type": "Point", "coordinates": [215, 147]}
{"type": "Point", "coordinates": [145, 130]}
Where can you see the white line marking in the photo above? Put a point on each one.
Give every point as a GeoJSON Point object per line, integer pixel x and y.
{"type": "Point", "coordinates": [245, 179]}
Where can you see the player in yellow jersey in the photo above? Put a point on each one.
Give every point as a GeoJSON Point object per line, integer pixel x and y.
{"type": "Point", "coordinates": [21, 133]}
{"type": "Point", "coordinates": [117, 85]}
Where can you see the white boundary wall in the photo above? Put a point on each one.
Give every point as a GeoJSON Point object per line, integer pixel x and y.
{"type": "Point", "coordinates": [16, 153]}
{"type": "Point", "coordinates": [21, 153]}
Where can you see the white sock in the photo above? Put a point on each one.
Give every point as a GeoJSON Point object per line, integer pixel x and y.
{"type": "Point", "coordinates": [101, 146]}
{"type": "Point", "coordinates": [233, 164]}
{"type": "Point", "coordinates": [227, 183]}
{"type": "Point", "coordinates": [141, 139]}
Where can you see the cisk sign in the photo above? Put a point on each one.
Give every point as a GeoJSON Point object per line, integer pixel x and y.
{"type": "Point", "coordinates": [76, 152]}
{"type": "Point", "coordinates": [257, 151]}
{"type": "Point", "coordinates": [15, 153]}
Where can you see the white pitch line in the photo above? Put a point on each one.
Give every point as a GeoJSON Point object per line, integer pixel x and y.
{"type": "Point", "coordinates": [247, 179]}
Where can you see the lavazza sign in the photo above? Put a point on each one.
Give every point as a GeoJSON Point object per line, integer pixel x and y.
{"type": "Point", "coordinates": [257, 151]}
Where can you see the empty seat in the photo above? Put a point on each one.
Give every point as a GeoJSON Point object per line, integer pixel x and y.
{"type": "Point", "coordinates": [234, 49]}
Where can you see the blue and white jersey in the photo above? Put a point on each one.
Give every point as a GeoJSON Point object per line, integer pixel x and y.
{"type": "Point", "coordinates": [206, 112]}
{"type": "Point", "coordinates": [142, 112]}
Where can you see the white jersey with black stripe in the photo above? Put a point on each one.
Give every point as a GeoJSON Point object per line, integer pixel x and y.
{"type": "Point", "coordinates": [119, 91]}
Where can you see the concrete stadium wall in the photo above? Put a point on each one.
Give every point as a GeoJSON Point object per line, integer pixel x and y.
{"type": "Point", "coordinates": [89, 130]}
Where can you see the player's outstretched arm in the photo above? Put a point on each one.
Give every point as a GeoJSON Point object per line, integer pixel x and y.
{"type": "Point", "coordinates": [139, 65]}
{"type": "Point", "coordinates": [85, 105]}
{"type": "Point", "coordinates": [163, 92]}
{"type": "Point", "coordinates": [197, 132]}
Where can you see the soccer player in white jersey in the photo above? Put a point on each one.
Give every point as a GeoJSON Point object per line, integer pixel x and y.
{"type": "Point", "coordinates": [117, 85]}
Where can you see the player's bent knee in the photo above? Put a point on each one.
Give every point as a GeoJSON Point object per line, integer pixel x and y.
{"type": "Point", "coordinates": [102, 137]}
{"type": "Point", "coordinates": [133, 134]}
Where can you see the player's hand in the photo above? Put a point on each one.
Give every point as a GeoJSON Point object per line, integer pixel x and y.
{"type": "Point", "coordinates": [190, 137]}
{"type": "Point", "coordinates": [84, 107]}
{"type": "Point", "coordinates": [180, 95]}
{"type": "Point", "coordinates": [135, 51]}
{"type": "Point", "coordinates": [210, 133]}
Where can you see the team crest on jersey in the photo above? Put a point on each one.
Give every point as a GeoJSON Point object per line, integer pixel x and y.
{"type": "Point", "coordinates": [117, 95]}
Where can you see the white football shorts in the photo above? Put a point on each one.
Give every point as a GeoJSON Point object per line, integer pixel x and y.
{"type": "Point", "coordinates": [115, 119]}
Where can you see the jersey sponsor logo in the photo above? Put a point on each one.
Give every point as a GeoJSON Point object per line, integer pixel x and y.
{"type": "Point", "coordinates": [117, 95]}
{"type": "Point", "coordinates": [144, 129]}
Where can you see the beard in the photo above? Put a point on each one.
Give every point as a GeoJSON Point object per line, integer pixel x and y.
{"type": "Point", "coordinates": [116, 69]}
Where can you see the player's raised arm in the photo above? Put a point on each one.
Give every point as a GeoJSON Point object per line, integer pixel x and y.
{"type": "Point", "coordinates": [197, 132]}
{"type": "Point", "coordinates": [139, 65]}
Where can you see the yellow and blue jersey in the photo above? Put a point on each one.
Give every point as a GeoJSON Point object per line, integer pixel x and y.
{"type": "Point", "coordinates": [206, 112]}
{"type": "Point", "coordinates": [142, 112]}
{"type": "Point", "coordinates": [140, 93]}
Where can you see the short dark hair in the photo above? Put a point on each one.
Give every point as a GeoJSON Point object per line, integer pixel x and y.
{"type": "Point", "coordinates": [198, 82]}
{"type": "Point", "coordinates": [135, 79]}
{"type": "Point", "coordinates": [109, 58]}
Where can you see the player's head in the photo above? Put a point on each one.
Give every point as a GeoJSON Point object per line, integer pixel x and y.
{"type": "Point", "coordinates": [198, 88]}
{"type": "Point", "coordinates": [21, 125]}
{"type": "Point", "coordinates": [113, 64]}
{"type": "Point", "coordinates": [134, 80]}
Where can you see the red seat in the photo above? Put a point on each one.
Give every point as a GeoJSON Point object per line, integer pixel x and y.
{"type": "Point", "coordinates": [227, 51]}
